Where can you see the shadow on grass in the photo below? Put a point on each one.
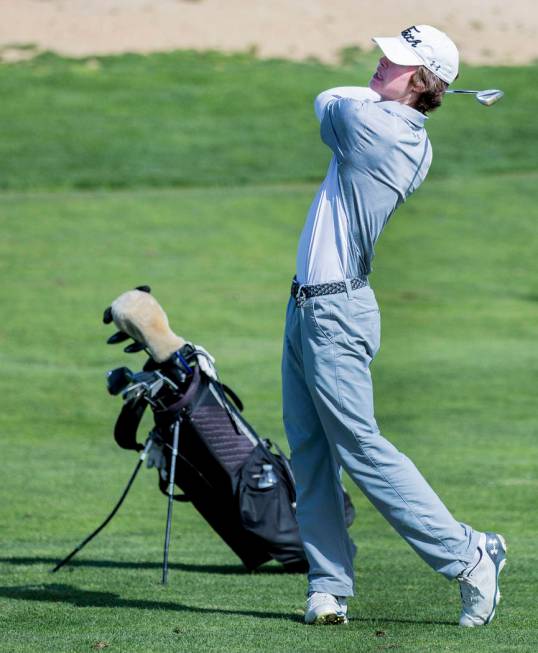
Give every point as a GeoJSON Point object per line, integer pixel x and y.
{"type": "Point", "coordinates": [60, 593]}
{"type": "Point", "coordinates": [128, 564]}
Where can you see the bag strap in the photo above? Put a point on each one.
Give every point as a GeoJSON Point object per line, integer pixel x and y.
{"type": "Point", "coordinates": [188, 396]}
{"type": "Point", "coordinates": [233, 397]}
{"type": "Point", "coordinates": [127, 424]}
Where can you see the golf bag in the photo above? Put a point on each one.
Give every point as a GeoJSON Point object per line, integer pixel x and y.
{"type": "Point", "coordinates": [241, 484]}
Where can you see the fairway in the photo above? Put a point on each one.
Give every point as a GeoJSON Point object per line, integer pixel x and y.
{"type": "Point", "coordinates": [456, 279]}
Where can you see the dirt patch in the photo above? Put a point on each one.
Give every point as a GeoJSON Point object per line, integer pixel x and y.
{"type": "Point", "coordinates": [487, 31]}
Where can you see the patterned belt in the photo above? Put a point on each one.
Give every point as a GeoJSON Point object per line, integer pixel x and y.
{"type": "Point", "coordinates": [303, 292]}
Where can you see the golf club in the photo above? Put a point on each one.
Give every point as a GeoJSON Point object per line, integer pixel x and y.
{"type": "Point", "coordinates": [487, 98]}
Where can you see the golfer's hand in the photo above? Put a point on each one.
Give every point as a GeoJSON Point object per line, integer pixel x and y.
{"type": "Point", "coordinates": [206, 362]}
{"type": "Point", "coordinates": [155, 458]}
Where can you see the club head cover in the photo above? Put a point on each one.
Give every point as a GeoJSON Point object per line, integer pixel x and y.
{"type": "Point", "coordinates": [107, 315]}
{"type": "Point", "coordinates": [119, 336]}
{"type": "Point", "coordinates": [139, 314]}
{"type": "Point", "coordinates": [134, 348]}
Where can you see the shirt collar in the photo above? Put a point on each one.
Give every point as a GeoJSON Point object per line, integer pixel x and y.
{"type": "Point", "coordinates": [405, 111]}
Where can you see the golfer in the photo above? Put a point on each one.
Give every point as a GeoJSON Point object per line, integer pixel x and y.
{"type": "Point", "coordinates": [380, 155]}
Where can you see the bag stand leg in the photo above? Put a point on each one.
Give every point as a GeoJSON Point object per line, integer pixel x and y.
{"type": "Point", "coordinates": [171, 479]}
{"type": "Point", "coordinates": [90, 537]}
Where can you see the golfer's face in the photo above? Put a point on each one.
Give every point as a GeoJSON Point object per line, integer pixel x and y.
{"type": "Point", "coordinates": [391, 80]}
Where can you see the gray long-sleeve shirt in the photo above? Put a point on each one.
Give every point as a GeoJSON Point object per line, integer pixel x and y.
{"type": "Point", "coordinates": [381, 154]}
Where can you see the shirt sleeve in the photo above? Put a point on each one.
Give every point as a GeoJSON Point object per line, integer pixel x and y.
{"type": "Point", "coordinates": [341, 126]}
{"type": "Point", "coordinates": [361, 93]}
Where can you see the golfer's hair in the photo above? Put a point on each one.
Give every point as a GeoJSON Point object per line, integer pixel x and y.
{"type": "Point", "coordinates": [434, 89]}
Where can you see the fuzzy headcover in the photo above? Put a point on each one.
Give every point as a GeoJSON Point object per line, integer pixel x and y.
{"type": "Point", "coordinates": [141, 316]}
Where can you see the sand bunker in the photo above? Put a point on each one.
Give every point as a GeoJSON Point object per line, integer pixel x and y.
{"type": "Point", "coordinates": [487, 31]}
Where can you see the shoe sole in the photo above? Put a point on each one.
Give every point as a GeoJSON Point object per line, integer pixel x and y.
{"type": "Point", "coordinates": [329, 619]}
{"type": "Point", "coordinates": [500, 567]}
{"type": "Point", "coordinates": [499, 564]}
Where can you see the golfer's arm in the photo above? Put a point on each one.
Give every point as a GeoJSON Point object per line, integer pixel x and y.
{"type": "Point", "coordinates": [356, 92]}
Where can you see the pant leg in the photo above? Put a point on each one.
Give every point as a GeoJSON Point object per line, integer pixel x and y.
{"type": "Point", "coordinates": [340, 337]}
{"type": "Point", "coordinates": [320, 505]}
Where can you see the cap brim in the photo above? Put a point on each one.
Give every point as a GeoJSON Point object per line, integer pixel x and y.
{"type": "Point", "coordinates": [396, 51]}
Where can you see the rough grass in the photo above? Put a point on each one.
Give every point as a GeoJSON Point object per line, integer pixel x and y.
{"type": "Point", "coordinates": [455, 379]}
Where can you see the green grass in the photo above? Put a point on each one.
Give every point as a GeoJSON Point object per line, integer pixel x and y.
{"type": "Point", "coordinates": [455, 275]}
{"type": "Point", "coordinates": [183, 118]}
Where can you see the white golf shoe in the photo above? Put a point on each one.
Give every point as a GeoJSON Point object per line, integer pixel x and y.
{"type": "Point", "coordinates": [479, 583]}
{"type": "Point", "coordinates": [327, 609]}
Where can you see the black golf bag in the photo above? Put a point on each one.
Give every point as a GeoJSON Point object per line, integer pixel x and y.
{"type": "Point", "coordinates": [240, 483]}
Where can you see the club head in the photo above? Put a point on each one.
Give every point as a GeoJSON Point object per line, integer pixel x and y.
{"type": "Point", "coordinates": [118, 379]}
{"type": "Point", "coordinates": [489, 97]}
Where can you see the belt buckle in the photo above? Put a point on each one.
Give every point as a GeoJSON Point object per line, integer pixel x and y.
{"type": "Point", "coordinates": [300, 296]}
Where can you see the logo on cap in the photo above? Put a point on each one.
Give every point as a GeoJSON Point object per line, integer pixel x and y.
{"type": "Point", "coordinates": [408, 36]}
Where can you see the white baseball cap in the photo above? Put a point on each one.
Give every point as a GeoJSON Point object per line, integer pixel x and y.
{"type": "Point", "coordinates": [423, 45]}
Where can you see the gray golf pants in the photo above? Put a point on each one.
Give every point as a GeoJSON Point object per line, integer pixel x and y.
{"type": "Point", "coordinates": [329, 343]}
